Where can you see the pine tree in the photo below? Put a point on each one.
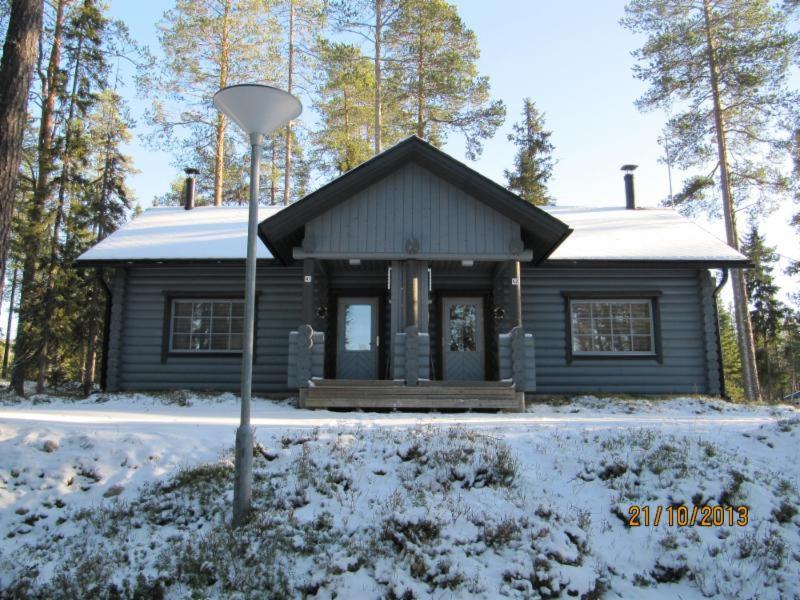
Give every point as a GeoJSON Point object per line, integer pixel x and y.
{"type": "Point", "coordinates": [767, 312]}
{"type": "Point", "coordinates": [22, 28]}
{"type": "Point", "coordinates": [369, 19]}
{"type": "Point", "coordinates": [731, 359]}
{"type": "Point", "coordinates": [209, 44]}
{"type": "Point", "coordinates": [533, 164]}
{"type": "Point", "coordinates": [725, 65]}
{"type": "Point", "coordinates": [345, 104]}
{"type": "Point", "coordinates": [434, 75]}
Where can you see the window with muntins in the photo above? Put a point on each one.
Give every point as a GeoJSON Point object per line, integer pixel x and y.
{"type": "Point", "coordinates": [612, 327]}
{"type": "Point", "coordinates": [206, 325]}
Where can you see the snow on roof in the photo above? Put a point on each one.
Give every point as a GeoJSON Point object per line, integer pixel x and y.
{"type": "Point", "coordinates": [641, 234]}
{"type": "Point", "coordinates": [220, 233]}
{"type": "Point", "coordinates": [205, 232]}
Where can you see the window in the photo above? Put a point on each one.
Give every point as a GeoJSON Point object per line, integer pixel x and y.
{"type": "Point", "coordinates": [611, 327]}
{"type": "Point", "coordinates": [206, 326]}
{"type": "Point", "coordinates": [462, 323]}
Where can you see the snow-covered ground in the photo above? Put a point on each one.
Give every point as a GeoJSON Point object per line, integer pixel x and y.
{"type": "Point", "coordinates": [122, 495]}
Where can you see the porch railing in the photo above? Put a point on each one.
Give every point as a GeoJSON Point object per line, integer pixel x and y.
{"type": "Point", "coordinates": [306, 356]}
{"type": "Point", "coordinates": [411, 351]}
{"type": "Point", "coordinates": [517, 358]}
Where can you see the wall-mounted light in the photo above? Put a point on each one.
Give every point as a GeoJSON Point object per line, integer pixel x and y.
{"type": "Point", "coordinates": [354, 262]}
{"type": "Point", "coordinates": [467, 263]}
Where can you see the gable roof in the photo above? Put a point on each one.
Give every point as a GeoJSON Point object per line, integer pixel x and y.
{"type": "Point", "coordinates": [173, 233]}
{"type": "Point", "coordinates": [284, 230]}
{"type": "Point", "coordinates": [617, 234]}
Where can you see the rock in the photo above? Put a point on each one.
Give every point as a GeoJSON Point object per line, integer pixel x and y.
{"type": "Point", "coordinates": [50, 446]}
{"type": "Point", "coordinates": [114, 490]}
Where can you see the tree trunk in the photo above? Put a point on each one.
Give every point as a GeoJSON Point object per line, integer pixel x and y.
{"type": "Point", "coordinates": [7, 349]}
{"type": "Point", "coordinates": [16, 70]}
{"type": "Point", "coordinates": [273, 182]}
{"type": "Point", "coordinates": [47, 312]}
{"type": "Point", "coordinates": [420, 92]}
{"type": "Point", "coordinates": [287, 171]}
{"type": "Point", "coordinates": [744, 327]}
{"type": "Point", "coordinates": [378, 74]}
{"type": "Point", "coordinates": [25, 348]}
{"type": "Point", "coordinates": [219, 151]}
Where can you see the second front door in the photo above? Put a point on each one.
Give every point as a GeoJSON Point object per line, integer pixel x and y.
{"type": "Point", "coordinates": [462, 339]}
{"type": "Point", "coordinates": [357, 333]}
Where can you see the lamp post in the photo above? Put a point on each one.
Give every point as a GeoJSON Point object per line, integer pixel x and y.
{"type": "Point", "coordinates": [258, 110]}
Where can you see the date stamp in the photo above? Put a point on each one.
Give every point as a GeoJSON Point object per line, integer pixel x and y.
{"type": "Point", "coordinates": [685, 516]}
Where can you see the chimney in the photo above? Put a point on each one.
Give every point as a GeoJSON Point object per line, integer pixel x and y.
{"type": "Point", "coordinates": [630, 199]}
{"type": "Point", "coordinates": [188, 188]}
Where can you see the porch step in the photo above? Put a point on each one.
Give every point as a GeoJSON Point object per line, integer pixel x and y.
{"type": "Point", "coordinates": [429, 395]}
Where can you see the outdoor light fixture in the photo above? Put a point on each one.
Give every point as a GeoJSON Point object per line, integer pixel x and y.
{"type": "Point", "coordinates": [258, 110]}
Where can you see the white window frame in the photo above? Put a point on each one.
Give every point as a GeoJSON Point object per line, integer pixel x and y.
{"type": "Point", "coordinates": [621, 353]}
{"type": "Point", "coordinates": [208, 350]}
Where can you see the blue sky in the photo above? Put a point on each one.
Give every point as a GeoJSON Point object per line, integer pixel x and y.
{"type": "Point", "coordinates": [573, 59]}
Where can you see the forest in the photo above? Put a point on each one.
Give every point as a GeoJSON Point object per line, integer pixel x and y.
{"type": "Point", "coordinates": [371, 73]}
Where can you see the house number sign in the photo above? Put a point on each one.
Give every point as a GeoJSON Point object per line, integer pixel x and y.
{"type": "Point", "coordinates": [514, 281]}
{"type": "Point", "coordinates": [307, 278]}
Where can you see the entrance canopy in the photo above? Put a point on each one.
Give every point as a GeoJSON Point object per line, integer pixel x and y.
{"type": "Point", "coordinates": [412, 201]}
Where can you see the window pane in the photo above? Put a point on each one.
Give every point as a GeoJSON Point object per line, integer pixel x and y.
{"type": "Point", "coordinates": [221, 309]}
{"type": "Point", "coordinates": [220, 325]}
{"type": "Point", "coordinates": [620, 311]}
{"type": "Point", "coordinates": [641, 326]}
{"type": "Point", "coordinates": [582, 326]}
{"type": "Point", "coordinates": [642, 343]}
{"type": "Point", "coordinates": [622, 343]}
{"type": "Point", "coordinates": [581, 310]}
{"type": "Point", "coordinates": [219, 342]}
{"type": "Point", "coordinates": [237, 309]}
{"type": "Point", "coordinates": [602, 326]}
{"type": "Point", "coordinates": [357, 327]}
{"type": "Point", "coordinates": [601, 310]}
{"type": "Point", "coordinates": [236, 342]}
{"type": "Point", "coordinates": [181, 325]}
{"type": "Point", "coordinates": [582, 343]}
{"type": "Point", "coordinates": [237, 325]}
{"type": "Point", "coordinates": [201, 325]}
{"type": "Point", "coordinates": [602, 343]}
{"type": "Point", "coordinates": [183, 309]}
{"type": "Point", "coordinates": [201, 309]}
{"type": "Point", "coordinates": [199, 342]}
{"type": "Point", "coordinates": [180, 342]}
{"type": "Point", "coordinates": [462, 324]}
{"type": "Point", "coordinates": [640, 310]}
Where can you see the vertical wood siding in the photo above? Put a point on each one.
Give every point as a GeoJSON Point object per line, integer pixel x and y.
{"type": "Point", "coordinates": [688, 343]}
{"type": "Point", "coordinates": [412, 202]}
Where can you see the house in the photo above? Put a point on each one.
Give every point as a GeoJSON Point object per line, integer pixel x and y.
{"type": "Point", "coordinates": [413, 281]}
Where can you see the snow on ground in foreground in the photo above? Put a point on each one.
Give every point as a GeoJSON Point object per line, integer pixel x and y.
{"type": "Point", "coordinates": [129, 494]}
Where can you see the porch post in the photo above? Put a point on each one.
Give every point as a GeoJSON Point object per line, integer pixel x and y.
{"type": "Point", "coordinates": [308, 291]}
{"type": "Point", "coordinates": [516, 296]}
{"type": "Point", "coordinates": [411, 293]}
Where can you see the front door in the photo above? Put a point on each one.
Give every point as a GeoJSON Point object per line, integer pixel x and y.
{"type": "Point", "coordinates": [462, 339]}
{"type": "Point", "coordinates": [357, 346]}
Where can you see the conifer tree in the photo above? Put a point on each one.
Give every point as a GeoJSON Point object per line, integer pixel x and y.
{"type": "Point", "coordinates": [731, 359]}
{"type": "Point", "coordinates": [209, 44]}
{"type": "Point", "coordinates": [725, 67]}
{"type": "Point", "coordinates": [533, 164]}
{"type": "Point", "coordinates": [434, 75]}
{"type": "Point", "coordinates": [345, 104]}
{"type": "Point", "coordinates": [22, 24]}
{"type": "Point", "coordinates": [369, 19]}
{"type": "Point", "coordinates": [767, 312]}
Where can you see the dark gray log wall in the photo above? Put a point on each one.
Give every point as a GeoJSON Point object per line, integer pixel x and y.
{"type": "Point", "coordinates": [412, 202]}
{"type": "Point", "coordinates": [688, 341]}
{"type": "Point", "coordinates": [140, 330]}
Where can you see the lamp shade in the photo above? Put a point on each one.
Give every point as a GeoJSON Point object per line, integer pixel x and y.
{"type": "Point", "coordinates": [257, 108]}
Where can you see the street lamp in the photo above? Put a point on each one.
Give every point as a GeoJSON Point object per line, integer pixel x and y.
{"type": "Point", "coordinates": [258, 110]}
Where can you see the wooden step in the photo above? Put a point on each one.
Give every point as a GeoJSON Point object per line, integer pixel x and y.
{"type": "Point", "coordinates": [394, 395]}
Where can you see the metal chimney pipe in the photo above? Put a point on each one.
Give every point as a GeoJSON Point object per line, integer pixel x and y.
{"type": "Point", "coordinates": [630, 198]}
{"type": "Point", "coordinates": [188, 188]}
